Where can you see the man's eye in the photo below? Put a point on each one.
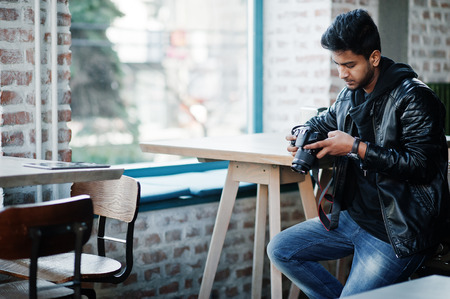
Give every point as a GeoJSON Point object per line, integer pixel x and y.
{"type": "Point", "coordinates": [350, 66]}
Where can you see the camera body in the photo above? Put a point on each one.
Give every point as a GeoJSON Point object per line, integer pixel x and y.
{"type": "Point", "coordinates": [304, 158]}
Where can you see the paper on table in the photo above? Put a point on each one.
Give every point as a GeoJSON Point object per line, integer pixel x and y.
{"type": "Point", "coordinates": [64, 165]}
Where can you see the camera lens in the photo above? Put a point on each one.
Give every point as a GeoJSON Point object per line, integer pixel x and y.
{"type": "Point", "coordinates": [303, 161]}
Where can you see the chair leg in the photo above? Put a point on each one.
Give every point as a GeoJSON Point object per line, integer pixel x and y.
{"type": "Point", "coordinates": [90, 293]}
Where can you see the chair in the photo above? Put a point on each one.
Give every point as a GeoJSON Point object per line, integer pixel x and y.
{"type": "Point", "coordinates": [113, 200]}
{"type": "Point", "coordinates": [31, 232]}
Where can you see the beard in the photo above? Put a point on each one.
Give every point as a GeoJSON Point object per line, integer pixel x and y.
{"type": "Point", "coordinates": [367, 78]}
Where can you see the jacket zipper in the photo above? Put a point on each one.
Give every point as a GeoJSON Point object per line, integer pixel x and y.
{"type": "Point", "coordinates": [383, 212]}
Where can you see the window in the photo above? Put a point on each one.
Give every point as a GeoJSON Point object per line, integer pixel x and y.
{"type": "Point", "coordinates": [145, 70]}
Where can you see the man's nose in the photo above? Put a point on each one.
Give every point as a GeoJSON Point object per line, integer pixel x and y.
{"type": "Point", "coordinates": [343, 73]}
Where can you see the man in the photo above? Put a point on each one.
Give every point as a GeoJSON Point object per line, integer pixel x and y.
{"type": "Point", "coordinates": [391, 196]}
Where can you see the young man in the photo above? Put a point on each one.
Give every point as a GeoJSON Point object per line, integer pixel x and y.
{"type": "Point", "coordinates": [391, 196]}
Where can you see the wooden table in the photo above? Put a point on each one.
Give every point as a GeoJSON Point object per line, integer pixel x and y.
{"type": "Point", "coordinates": [256, 158]}
{"type": "Point", "coordinates": [435, 286]}
{"type": "Point", "coordinates": [14, 174]}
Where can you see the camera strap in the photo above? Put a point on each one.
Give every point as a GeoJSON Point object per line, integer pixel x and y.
{"type": "Point", "coordinates": [323, 199]}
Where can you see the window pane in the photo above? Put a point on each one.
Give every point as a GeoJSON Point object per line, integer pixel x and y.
{"type": "Point", "coordinates": [156, 70]}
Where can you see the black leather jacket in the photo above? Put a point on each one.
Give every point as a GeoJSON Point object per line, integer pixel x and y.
{"type": "Point", "coordinates": [409, 156]}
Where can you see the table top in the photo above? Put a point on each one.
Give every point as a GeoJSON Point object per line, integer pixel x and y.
{"type": "Point", "coordinates": [265, 148]}
{"type": "Point", "coordinates": [435, 286]}
{"type": "Point", "coordinates": [14, 174]}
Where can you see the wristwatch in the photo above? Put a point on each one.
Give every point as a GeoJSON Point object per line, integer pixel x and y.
{"type": "Point", "coordinates": [354, 153]}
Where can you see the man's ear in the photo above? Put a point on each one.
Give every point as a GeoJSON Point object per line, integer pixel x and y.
{"type": "Point", "coordinates": [375, 58]}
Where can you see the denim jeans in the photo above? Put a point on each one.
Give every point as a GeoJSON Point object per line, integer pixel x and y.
{"type": "Point", "coordinates": [297, 250]}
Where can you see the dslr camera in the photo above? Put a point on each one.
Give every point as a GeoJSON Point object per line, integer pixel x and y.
{"type": "Point", "coordinates": [304, 158]}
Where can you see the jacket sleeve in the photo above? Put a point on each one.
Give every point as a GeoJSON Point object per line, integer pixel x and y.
{"type": "Point", "coordinates": [412, 146]}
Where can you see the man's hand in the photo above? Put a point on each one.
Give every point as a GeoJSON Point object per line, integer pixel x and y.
{"type": "Point", "coordinates": [290, 148]}
{"type": "Point", "coordinates": [338, 143]}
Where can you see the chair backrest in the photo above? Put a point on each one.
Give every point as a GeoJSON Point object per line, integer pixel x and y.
{"type": "Point", "coordinates": [19, 222]}
{"type": "Point", "coordinates": [119, 200]}
{"type": "Point", "coordinates": [116, 199]}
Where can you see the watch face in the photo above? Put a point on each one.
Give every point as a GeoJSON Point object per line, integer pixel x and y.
{"type": "Point", "coordinates": [352, 155]}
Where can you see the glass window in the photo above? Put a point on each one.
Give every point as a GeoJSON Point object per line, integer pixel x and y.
{"type": "Point", "coordinates": [149, 69]}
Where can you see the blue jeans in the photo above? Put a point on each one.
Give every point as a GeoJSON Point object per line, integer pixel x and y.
{"type": "Point", "coordinates": [297, 250]}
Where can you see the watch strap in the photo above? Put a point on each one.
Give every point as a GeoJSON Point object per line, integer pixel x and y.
{"type": "Point", "coordinates": [355, 145]}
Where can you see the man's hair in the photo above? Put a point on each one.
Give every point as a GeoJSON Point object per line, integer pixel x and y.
{"type": "Point", "coordinates": [355, 31]}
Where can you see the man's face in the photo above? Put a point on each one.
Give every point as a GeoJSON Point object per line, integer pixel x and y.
{"type": "Point", "coordinates": [355, 70]}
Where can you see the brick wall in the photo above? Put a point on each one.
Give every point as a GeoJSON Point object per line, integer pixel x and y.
{"type": "Point", "coordinates": [171, 247]}
{"type": "Point", "coordinates": [296, 68]}
{"type": "Point", "coordinates": [18, 81]}
{"type": "Point", "coordinates": [429, 39]}
{"type": "Point", "coordinates": [17, 52]}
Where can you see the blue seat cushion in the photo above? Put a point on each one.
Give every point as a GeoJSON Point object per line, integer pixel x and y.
{"type": "Point", "coordinates": [205, 183]}
{"type": "Point", "coordinates": [156, 192]}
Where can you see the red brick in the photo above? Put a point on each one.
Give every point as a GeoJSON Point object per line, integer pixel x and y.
{"type": "Point", "coordinates": [64, 135]}
{"type": "Point", "coordinates": [154, 257]}
{"type": "Point", "coordinates": [201, 248]}
{"type": "Point", "coordinates": [65, 155]}
{"type": "Point", "coordinates": [169, 288]}
{"type": "Point", "coordinates": [18, 118]}
{"type": "Point", "coordinates": [64, 19]}
{"type": "Point", "coordinates": [64, 75]}
{"type": "Point", "coordinates": [222, 275]}
{"type": "Point", "coordinates": [13, 35]}
{"type": "Point", "coordinates": [11, 56]}
{"type": "Point", "coordinates": [66, 97]}
{"type": "Point", "coordinates": [152, 239]}
{"type": "Point", "coordinates": [188, 283]}
{"type": "Point", "coordinates": [244, 272]}
{"type": "Point", "coordinates": [64, 115]}
{"type": "Point", "coordinates": [148, 274]}
{"type": "Point", "coordinates": [231, 292]}
{"type": "Point", "coordinates": [16, 77]}
{"type": "Point", "coordinates": [10, 98]}
{"type": "Point", "coordinates": [248, 256]}
{"type": "Point", "coordinates": [12, 139]}
{"type": "Point", "coordinates": [8, 14]}
{"type": "Point", "coordinates": [30, 55]}
{"type": "Point", "coordinates": [139, 294]}
{"type": "Point", "coordinates": [174, 235]}
{"type": "Point", "coordinates": [177, 252]}
{"type": "Point", "coordinates": [64, 39]}
{"type": "Point", "coordinates": [65, 58]}
{"type": "Point", "coordinates": [172, 269]}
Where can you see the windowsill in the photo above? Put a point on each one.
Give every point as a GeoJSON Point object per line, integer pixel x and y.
{"type": "Point", "coordinates": [184, 183]}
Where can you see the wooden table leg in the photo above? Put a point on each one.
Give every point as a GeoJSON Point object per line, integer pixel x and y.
{"type": "Point", "coordinates": [259, 243]}
{"type": "Point", "coordinates": [275, 226]}
{"type": "Point", "coordinates": [308, 198]}
{"type": "Point", "coordinates": [226, 205]}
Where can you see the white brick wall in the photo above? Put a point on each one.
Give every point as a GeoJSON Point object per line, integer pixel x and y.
{"type": "Point", "coordinates": [296, 68]}
{"type": "Point", "coordinates": [429, 39]}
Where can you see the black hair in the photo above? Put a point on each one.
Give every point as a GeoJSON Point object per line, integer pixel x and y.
{"type": "Point", "coordinates": [355, 31]}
